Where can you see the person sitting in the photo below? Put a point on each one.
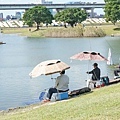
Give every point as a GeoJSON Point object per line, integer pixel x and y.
{"type": "Point", "coordinates": [61, 85]}
{"type": "Point", "coordinates": [95, 75]}
{"type": "Point", "coordinates": [116, 72]}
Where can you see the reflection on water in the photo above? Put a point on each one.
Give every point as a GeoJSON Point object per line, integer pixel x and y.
{"type": "Point", "coordinates": [21, 54]}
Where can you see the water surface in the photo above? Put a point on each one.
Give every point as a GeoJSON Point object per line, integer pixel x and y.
{"type": "Point", "coordinates": [21, 54]}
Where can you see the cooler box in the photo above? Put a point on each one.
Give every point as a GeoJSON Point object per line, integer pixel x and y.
{"type": "Point", "coordinates": [105, 80]}
{"type": "Point", "coordinates": [62, 95]}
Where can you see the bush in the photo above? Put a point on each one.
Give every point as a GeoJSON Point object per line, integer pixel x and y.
{"type": "Point", "coordinates": [93, 32]}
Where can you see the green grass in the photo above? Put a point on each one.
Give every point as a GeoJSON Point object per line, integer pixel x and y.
{"type": "Point", "coordinates": [101, 104]}
{"type": "Point", "coordinates": [111, 29]}
{"type": "Point", "coordinates": [66, 32]}
{"type": "Point", "coordinates": [45, 31]}
{"type": "Point", "coordinates": [25, 31]}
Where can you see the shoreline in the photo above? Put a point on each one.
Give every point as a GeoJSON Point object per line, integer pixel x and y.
{"type": "Point", "coordinates": [30, 106]}
{"type": "Point", "coordinates": [91, 105]}
{"type": "Point", "coordinates": [40, 104]}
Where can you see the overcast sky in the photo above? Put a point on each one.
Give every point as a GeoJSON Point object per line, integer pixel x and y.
{"type": "Point", "coordinates": [99, 11]}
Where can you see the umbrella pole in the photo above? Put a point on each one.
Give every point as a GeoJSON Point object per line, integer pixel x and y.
{"type": "Point", "coordinates": [51, 77]}
{"type": "Point", "coordinates": [88, 75]}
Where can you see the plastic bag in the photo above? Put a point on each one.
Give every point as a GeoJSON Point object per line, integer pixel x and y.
{"type": "Point", "coordinates": [54, 97]}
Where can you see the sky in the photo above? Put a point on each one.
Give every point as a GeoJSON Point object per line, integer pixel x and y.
{"type": "Point", "coordinates": [12, 12]}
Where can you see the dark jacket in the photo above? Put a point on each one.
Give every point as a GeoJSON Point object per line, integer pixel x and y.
{"type": "Point", "coordinates": [95, 74]}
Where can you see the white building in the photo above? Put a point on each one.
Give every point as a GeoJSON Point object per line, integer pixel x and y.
{"type": "Point", "coordinates": [1, 16]}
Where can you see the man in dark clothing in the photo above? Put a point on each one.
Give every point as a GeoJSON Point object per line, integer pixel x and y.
{"type": "Point", "coordinates": [95, 74]}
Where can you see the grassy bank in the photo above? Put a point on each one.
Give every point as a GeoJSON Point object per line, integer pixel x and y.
{"type": "Point", "coordinates": [101, 104]}
{"type": "Point", "coordinates": [88, 31]}
{"type": "Point", "coordinates": [30, 32]}
{"type": "Point", "coordinates": [56, 32]}
{"type": "Point", "coordinates": [46, 32]}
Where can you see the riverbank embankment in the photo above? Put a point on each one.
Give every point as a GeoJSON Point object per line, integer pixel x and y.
{"type": "Point", "coordinates": [103, 103]}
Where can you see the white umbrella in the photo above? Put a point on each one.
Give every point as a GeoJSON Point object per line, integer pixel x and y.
{"type": "Point", "coordinates": [48, 67]}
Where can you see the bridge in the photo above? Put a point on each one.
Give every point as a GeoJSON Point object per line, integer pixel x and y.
{"type": "Point", "coordinates": [58, 7]}
{"type": "Point", "coordinates": [50, 6]}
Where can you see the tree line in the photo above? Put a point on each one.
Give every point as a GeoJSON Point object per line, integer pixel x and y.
{"type": "Point", "coordinates": [40, 14]}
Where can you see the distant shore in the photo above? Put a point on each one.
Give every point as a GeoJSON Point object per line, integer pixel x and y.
{"type": "Point", "coordinates": [78, 31]}
{"type": "Point", "coordinates": [57, 32]}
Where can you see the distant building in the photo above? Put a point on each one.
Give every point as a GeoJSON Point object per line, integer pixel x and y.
{"type": "Point", "coordinates": [18, 15]}
{"type": "Point", "coordinates": [77, 2]}
{"type": "Point", "coordinates": [90, 15]}
{"type": "Point", "coordinates": [46, 2]}
{"type": "Point", "coordinates": [8, 17]}
{"type": "Point", "coordinates": [1, 16]}
{"type": "Point", "coordinates": [101, 16]}
{"type": "Point", "coordinates": [13, 17]}
{"type": "Point", "coordinates": [22, 13]}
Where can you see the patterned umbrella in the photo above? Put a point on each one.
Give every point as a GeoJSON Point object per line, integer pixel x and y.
{"type": "Point", "coordinates": [89, 56]}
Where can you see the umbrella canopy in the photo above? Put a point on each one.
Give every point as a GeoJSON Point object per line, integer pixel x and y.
{"type": "Point", "coordinates": [49, 67]}
{"type": "Point", "coordinates": [89, 56]}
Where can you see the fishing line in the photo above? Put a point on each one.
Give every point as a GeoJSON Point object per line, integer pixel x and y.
{"type": "Point", "coordinates": [89, 62]}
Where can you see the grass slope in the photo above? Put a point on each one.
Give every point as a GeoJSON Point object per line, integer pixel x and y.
{"type": "Point", "coordinates": [101, 104]}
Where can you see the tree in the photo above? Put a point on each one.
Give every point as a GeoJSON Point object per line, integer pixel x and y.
{"type": "Point", "coordinates": [37, 15]}
{"type": "Point", "coordinates": [112, 10]}
{"type": "Point", "coordinates": [71, 16]}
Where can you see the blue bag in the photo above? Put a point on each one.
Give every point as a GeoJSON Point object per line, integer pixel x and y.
{"type": "Point", "coordinates": [41, 97]}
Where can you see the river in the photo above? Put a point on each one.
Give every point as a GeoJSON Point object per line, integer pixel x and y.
{"type": "Point", "coordinates": [21, 54]}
